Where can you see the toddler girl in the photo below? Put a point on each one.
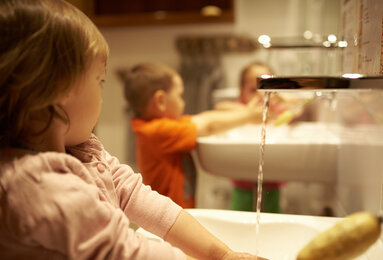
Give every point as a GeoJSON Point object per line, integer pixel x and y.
{"type": "Point", "coordinates": [242, 197]}
{"type": "Point", "coordinates": [62, 196]}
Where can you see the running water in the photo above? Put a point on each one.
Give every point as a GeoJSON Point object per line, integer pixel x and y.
{"type": "Point", "coordinates": [258, 195]}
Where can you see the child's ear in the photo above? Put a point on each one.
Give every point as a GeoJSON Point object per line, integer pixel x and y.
{"type": "Point", "coordinates": [159, 99]}
{"type": "Point", "coordinates": [62, 100]}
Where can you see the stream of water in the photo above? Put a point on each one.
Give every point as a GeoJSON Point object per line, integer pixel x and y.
{"type": "Point", "coordinates": [258, 194]}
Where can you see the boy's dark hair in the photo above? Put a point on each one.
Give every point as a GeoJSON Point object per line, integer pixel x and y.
{"type": "Point", "coordinates": [142, 81]}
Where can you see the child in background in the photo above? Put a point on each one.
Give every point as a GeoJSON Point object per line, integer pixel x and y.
{"type": "Point", "coordinates": [242, 194]}
{"type": "Point", "coordinates": [165, 136]}
{"type": "Point", "coordinates": [62, 195]}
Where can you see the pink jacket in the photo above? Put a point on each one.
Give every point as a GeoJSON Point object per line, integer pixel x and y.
{"type": "Point", "coordinates": [79, 206]}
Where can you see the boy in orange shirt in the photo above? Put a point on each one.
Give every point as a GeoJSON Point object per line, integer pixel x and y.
{"type": "Point", "coordinates": [165, 136]}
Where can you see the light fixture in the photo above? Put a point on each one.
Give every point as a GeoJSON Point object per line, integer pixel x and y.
{"type": "Point", "coordinates": [342, 44]}
{"type": "Point", "coordinates": [308, 35]}
{"type": "Point", "coordinates": [264, 39]}
{"type": "Point", "coordinates": [351, 75]}
{"type": "Point", "coordinates": [331, 38]}
{"type": "Point", "coordinates": [326, 44]}
{"type": "Point", "coordinates": [267, 45]}
{"type": "Point", "coordinates": [211, 10]}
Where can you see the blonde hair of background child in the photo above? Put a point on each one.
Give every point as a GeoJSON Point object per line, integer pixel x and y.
{"type": "Point", "coordinates": [248, 67]}
{"type": "Point", "coordinates": [42, 53]}
{"type": "Point", "coordinates": [142, 81]}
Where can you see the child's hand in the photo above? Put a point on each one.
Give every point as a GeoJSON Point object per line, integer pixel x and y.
{"type": "Point", "coordinates": [255, 107]}
{"type": "Point", "coordinates": [255, 102]}
{"type": "Point", "coordinates": [235, 255]}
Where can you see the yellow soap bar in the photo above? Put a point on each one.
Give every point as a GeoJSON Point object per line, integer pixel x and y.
{"type": "Point", "coordinates": [347, 239]}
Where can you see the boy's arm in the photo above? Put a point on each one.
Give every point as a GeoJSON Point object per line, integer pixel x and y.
{"type": "Point", "coordinates": [194, 240]}
{"type": "Point", "coordinates": [213, 121]}
{"type": "Point", "coordinates": [229, 105]}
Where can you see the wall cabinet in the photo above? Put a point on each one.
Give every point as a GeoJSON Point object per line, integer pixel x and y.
{"type": "Point", "coordinates": [156, 12]}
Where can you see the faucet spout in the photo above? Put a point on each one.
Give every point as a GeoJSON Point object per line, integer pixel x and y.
{"type": "Point", "coordinates": [347, 81]}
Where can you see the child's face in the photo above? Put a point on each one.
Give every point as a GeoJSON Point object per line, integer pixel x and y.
{"type": "Point", "coordinates": [174, 102]}
{"type": "Point", "coordinates": [83, 104]}
{"type": "Point", "coordinates": [250, 87]}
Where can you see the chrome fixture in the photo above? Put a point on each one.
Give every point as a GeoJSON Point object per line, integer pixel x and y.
{"type": "Point", "coordinates": [331, 83]}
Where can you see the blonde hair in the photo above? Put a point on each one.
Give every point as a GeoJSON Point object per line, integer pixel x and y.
{"type": "Point", "coordinates": [45, 46]}
{"type": "Point", "coordinates": [248, 67]}
{"type": "Point", "coordinates": [142, 81]}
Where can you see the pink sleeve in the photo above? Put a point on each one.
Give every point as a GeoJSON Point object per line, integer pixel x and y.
{"type": "Point", "coordinates": [64, 214]}
{"type": "Point", "coordinates": [145, 207]}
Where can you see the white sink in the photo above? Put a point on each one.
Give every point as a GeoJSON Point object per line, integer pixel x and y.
{"type": "Point", "coordinates": [304, 152]}
{"type": "Point", "coordinates": [281, 236]}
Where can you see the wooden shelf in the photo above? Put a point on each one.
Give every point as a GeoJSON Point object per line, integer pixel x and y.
{"type": "Point", "coordinates": [115, 13]}
{"type": "Point", "coordinates": [160, 18]}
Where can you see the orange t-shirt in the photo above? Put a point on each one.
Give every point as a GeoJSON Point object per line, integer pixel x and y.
{"type": "Point", "coordinates": [162, 148]}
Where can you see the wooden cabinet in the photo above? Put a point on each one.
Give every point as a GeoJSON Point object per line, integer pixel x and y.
{"type": "Point", "coordinates": [156, 12]}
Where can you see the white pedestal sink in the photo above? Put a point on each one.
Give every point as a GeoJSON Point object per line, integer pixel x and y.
{"type": "Point", "coordinates": [330, 154]}
{"type": "Point", "coordinates": [304, 152]}
{"type": "Point", "coordinates": [281, 236]}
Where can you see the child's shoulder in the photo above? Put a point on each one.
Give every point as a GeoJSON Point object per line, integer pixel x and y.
{"type": "Point", "coordinates": [40, 163]}
{"type": "Point", "coordinates": [46, 180]}
{"type": "Point", "coordinates": [35, 170]}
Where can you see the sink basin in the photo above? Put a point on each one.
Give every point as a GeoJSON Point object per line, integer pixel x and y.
{"type": "Point", "coordinates": [304, 152]}
{"type": "Point", "coordinates": [281, 236]}
{"type": "Point", "coordinates": [345, 160]}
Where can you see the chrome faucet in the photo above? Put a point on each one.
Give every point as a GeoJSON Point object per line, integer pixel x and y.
{"type": "Point", "coordinates": [347, 81]}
